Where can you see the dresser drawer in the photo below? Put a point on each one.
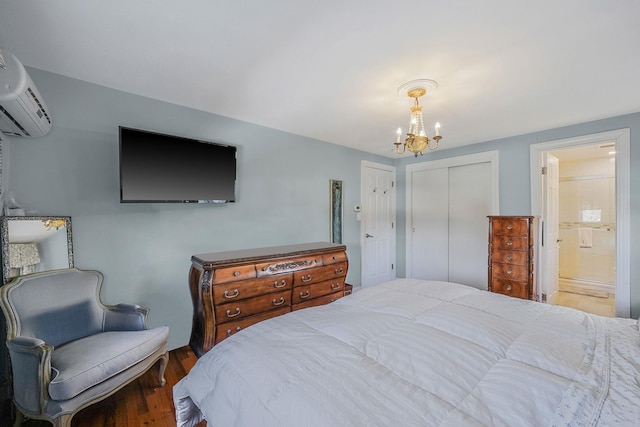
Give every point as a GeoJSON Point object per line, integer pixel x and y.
{"type": "Point", "coordinates": [510, 288]}
{"type": "Point", "coordinates": [326, 299]}
{"type": "Point", "coordinates": [234, 291]}
{"type": "Point", "coordinates": [288, 265]}
{"type": "Point", "coordinates": [511, 272]}
{"type": "Point", "coordinates": [511, 226]}
{"type": "Point", "coordinates": [510, 243]}
{"type": "Point", "coordinates": [510, 257]}
{"type": "Point", "coordinates": [308, 292]}
{"type": "Point", "coordinates": [230, 328]}
{"type": "Point", "coordinates": [233, 274]}
{"type": "Point", "coordinates": [334, 258]}
{"type": "Point", "coordinates": [321, 274]}
{"type": "Point", "coordinates": [240, 309]}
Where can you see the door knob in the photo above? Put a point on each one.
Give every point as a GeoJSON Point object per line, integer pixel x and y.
{"type": "Point", "coordinates": [368, 235]}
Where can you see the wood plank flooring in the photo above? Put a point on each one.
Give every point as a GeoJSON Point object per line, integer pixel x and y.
{"type": "Point", "coordinates": [141, 403]}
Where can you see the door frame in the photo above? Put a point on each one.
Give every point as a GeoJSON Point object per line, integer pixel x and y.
{"type": "Point", "coordinates": [364, 164]}
{"type": "Point", "coordinates": [622, 138]}
{"type": "Point", "coordinates": [469, 159]}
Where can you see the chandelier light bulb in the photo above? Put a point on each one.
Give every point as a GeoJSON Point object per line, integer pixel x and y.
{"type": "Point", "coordinates": [437, 128]}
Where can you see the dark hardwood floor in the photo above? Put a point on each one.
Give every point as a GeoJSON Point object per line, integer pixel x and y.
{"type": "Point", "coordinates": [141, 403]}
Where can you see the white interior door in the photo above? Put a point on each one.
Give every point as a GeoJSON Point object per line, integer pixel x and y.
{"type": "Point", "coordinates": [378, 223]}
{"type": "Point", "coordinates": [551, 186]}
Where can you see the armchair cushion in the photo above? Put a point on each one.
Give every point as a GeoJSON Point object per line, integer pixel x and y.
{"type": "Point", "coordinates": [83, 363]}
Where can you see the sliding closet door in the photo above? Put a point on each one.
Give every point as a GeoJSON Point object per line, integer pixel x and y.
{"type": "Point", "coordinates": [469, 205]}
{"type": "Point", "coordinates": [430, 223]}
{"type": "Point", "coordinates": [447, 207]}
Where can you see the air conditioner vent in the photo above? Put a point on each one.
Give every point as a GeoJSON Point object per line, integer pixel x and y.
{"type": "Point", "coordinates": [15, 122]}
{"type": "Point", "coordinates": [41, 111]}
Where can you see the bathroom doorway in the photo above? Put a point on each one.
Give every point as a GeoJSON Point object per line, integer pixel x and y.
{"type": "Point", "coordinates": [614, 220]}
{"type": "Point", "coordinates": [587, 228]}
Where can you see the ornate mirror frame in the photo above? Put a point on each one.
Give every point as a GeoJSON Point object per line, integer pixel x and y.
{"type": "Point", "coordinates": [49, 222]}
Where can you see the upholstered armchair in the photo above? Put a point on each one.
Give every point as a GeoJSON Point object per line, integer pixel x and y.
{"type": "Point", "coordinates": [67, 349]}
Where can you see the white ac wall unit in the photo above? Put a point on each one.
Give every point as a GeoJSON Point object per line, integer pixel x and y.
{"type": "Point", "coordinates": [22, 109]}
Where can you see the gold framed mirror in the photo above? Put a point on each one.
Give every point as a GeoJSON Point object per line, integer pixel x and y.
{"type": "Point", "coordinates": [35, 243]}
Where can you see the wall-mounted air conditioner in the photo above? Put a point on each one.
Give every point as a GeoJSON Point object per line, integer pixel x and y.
{"type": "Point", "coordinates": [22, 109]}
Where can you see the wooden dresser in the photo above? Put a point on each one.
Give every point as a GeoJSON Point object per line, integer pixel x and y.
{"type": "Point", "coordinates": [512, 255]}
{"type": "Point", "coordinates": [233, 290]}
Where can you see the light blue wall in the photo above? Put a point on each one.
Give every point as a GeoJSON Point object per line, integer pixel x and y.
{"type": "Point", "coordinates": [283, 191]}
{"type": "Point", "coordinates": [144, 250]}
{"type": "Point", "coordinates": [515, 180]}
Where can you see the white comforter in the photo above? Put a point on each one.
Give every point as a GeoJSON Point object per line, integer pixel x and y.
{"type": "Point", "coordinates": [416, 353]}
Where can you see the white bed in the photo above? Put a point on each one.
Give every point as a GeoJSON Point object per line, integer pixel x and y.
{"type": "Point", "coordinates": [417, 353]}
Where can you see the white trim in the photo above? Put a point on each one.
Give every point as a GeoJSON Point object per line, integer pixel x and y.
{"type": "Point", "coordinates": [622, 138]}
{"type": "Point", "coordinates": [368, 164]}
{"type": "Point", "coordinates": [470, 159]}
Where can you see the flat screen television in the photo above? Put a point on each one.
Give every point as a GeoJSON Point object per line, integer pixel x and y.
{"type": "Point", "coordinates": [159, 168]}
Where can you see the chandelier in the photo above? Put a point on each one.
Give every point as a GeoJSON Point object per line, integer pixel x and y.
{"type": "Point", "coordinates": [417, 140]}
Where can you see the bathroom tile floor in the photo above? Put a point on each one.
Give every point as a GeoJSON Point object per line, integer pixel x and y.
{"type": "Point", "coordinates": [600, 305]}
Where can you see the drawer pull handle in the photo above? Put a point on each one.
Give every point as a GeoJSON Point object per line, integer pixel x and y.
{"type": "Point", "coordinates": [509, 257]}
{"type": "Point", "coordinates": [509, 243]}
{"type": "Point", "coordinates": [509, 271]}
{"type": "Point", "coordinates": [339, 270]}
{"type": "Point", "coordinates": [230, 332]}
{"type": "Point", "coordinates": [509, 288]}
{"type": "Point", "coordinates": [236, 273]}
{"type": "Point", "coordinates": [307, 278]}
{"type": "Point", "coordinates": [233, 295]}
{"type": "Point", "coordinates": [335, 286]}
{"type": "Point", "coordinates": [509, 227]}
{"type": "Point", "coordinates": [235, 314]}
{"type": "Point", "coordinates": [304, 295]}
{"type": "Point", "coordinates": [278, 302]}
{"type": "Point", "coordinates": [282, 284]}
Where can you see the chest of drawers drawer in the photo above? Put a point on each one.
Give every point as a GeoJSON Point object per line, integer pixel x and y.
{"type": "Point", "coordinates": [511, 272]}
{"type": "Point", "coordinates": [239, 309]}
{"type": "Point", "coordinates": [315, 290]}
{"type": "Point", "coordinates": [510, 243]}
{"type": "Point", "coordinates": [334, 258]}
{"type": "Point", "coordinates": [225, 330]}
{"type": "Point", "coordinates": [510, 257]}
{"type": "Point", "coordinates": [510, 288]}
{"type": "Point", "coordinates": [287, 265]}
{"type": "Point", "coordinates": [325, 299]}
{"type": "Point", "coordinates": [315, 275]}
{"type": "Point", "coordinates": [511, 227]}
{"type": "Point", "coordinates": [234, 291]}
{"type": "Point", "coordinates": [233, 274]}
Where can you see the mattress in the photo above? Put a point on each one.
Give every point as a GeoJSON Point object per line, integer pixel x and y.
{"type": "Point", "coordinates": [420, 353]}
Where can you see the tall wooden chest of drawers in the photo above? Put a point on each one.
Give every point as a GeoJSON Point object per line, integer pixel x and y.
{"type": "Point", "coordinates": [233, 290]}
{"type": "Point", "coordinates": [512, 255]}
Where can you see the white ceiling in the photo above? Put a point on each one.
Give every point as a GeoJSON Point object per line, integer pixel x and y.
{"type": "Point", "coordinates": [330, 69]}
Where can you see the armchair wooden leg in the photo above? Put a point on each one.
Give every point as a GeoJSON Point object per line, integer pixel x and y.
{"type": "Point", "coordinates": [164, 360]}
{"type": "Point", "coordinates": [63, 421]}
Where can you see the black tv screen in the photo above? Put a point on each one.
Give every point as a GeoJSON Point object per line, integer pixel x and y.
{"type": "Point", "coordinates": [162, 168]}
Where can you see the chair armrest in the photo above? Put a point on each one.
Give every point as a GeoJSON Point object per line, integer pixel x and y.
{"type": "Point", "coordinates": [31, 365]}
{"type": "Point", "coordinates": [125, 317]}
